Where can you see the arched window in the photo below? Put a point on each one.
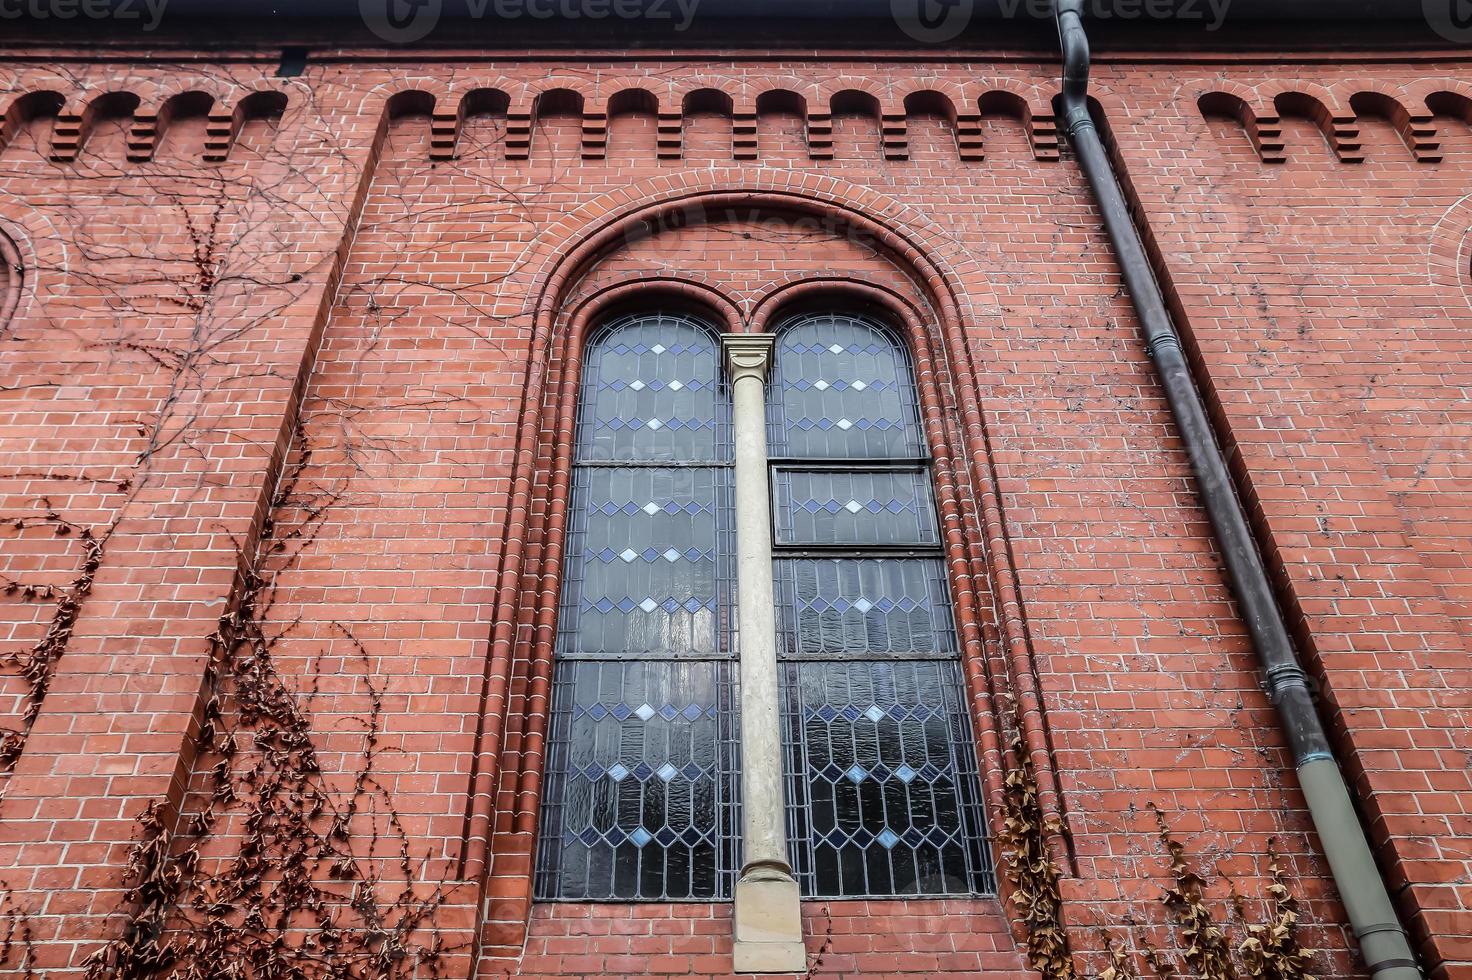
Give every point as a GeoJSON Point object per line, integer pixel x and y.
{"type": "Point", "coordinates": [882, 791]}
{"type": "Point", "coordinates": [639, 800]}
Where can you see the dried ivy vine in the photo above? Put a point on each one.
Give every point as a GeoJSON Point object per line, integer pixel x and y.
{"type": "Point", "coordinates": [318, 885]}
{"type": "Point", "coordinates": [1269, 951]}
{"type": "Point", "coordinates": [37, 665]}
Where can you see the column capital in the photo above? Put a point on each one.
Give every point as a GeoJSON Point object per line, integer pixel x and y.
{"type": "Point", "coordinates": [748, 355]}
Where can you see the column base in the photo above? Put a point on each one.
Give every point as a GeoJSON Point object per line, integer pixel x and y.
{"type": "Point", "coordinates": [768, 921]}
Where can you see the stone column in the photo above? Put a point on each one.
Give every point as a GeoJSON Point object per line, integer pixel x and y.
{"type": "Point", "coordinates": [768, 919]}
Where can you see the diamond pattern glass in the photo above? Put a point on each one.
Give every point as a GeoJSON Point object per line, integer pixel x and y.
{"type": "Point", "coordinates": [640, 784]}
{"type": "Point", "coordinates": [639, 801]}
{"type": "Point", "coordinates": [858, 606]}
{"type": "Point", "coordinates": [884, 799]}
{"type": "Point", "coordinates": [873, 507]}
{"type": "Point", "coordinates": [648, 556]}
{"type": "Point", "coordinates": [652, 391]}
{"type": "Point", "coordinates": [842, 389]}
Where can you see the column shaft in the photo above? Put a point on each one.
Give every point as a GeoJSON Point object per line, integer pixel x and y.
{"type": "Point", "coordinates": [768, 920]}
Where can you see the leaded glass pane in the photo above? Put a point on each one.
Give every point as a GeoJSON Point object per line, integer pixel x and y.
{"type": "Point", "coordinates": [860, 507]}
{"type": "Point", "coordinates": [640, 800]}
{"type": "Point", "coordinates": [882, 795]}
{"type": "Point", "coordinates": [648, 561]}
{"type": "Point", "coordinates": [863, 606]}
{"type": "Point", "coordinates": [842, 388]}
{"type": "Point", "coordinates": [652, 391]}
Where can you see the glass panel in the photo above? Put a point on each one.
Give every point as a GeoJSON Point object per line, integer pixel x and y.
{"type": "Point", "coordinates": [648, 561]}
{"type": "Point", "coordinates": [652, 391]}
{"type": "Point", "coordinates": [639, 801]}
{"type": "Point", "coordinates": [842, 388]}
{"type": "Point", "coordinates": [882, 788]}
{"type": "Point", "coordinates": [874, 605]}
{"type": "Point", "coordinates": [854, 507]}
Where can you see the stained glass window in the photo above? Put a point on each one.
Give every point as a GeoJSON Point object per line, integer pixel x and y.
{"type": "Point", "coordinates": [640, 794]}
{"type": "Point", "coordinates": [882, 789]}
{"type": "Point", "coordinates": [842, 389]}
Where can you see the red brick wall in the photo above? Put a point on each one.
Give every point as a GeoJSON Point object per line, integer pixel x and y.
{"type": "Point", "coordinates": [322, 382]}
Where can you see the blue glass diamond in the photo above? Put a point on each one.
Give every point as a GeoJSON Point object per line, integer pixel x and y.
{"type": "Point", "coordinates": [857, 773]}
{"type": "Point", "coordinates": [691, 712]}
{"type": "Point", "coordinates": [597, 712]}
{"type": "Point", "coordinates": [640, 837]}
{"type": "Point", "coordinates": [887, 838]}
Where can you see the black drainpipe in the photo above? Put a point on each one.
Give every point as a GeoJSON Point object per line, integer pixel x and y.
{"type": "Point", "coordinates": [1382, 940]}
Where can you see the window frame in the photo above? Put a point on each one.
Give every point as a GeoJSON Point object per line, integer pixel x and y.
{"type": "Point", "coordinates": [550, 857]}
{"type": "Point", "coordinates": [973, 832]}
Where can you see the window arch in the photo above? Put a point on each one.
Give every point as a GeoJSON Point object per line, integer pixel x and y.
{"type": "Point", "coordinates": [882, 790]}
{"type": "Point", "coordinates": [640, 800]}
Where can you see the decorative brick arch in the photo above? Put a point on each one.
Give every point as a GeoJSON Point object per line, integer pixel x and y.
{"type": "Point", "coordinates": [12, 280]}
{"type": "Point", "coordinates": [1449, 258]}
{"type": "Point", "coordinates": [556, 256]}
{"type": "Point", "coordinates": [31, 247]}
{"type": "Point", "coordinates": [999, 659]}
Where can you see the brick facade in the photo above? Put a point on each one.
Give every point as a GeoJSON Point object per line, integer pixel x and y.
{"type": "Point", "coordinates": [287, 379]}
